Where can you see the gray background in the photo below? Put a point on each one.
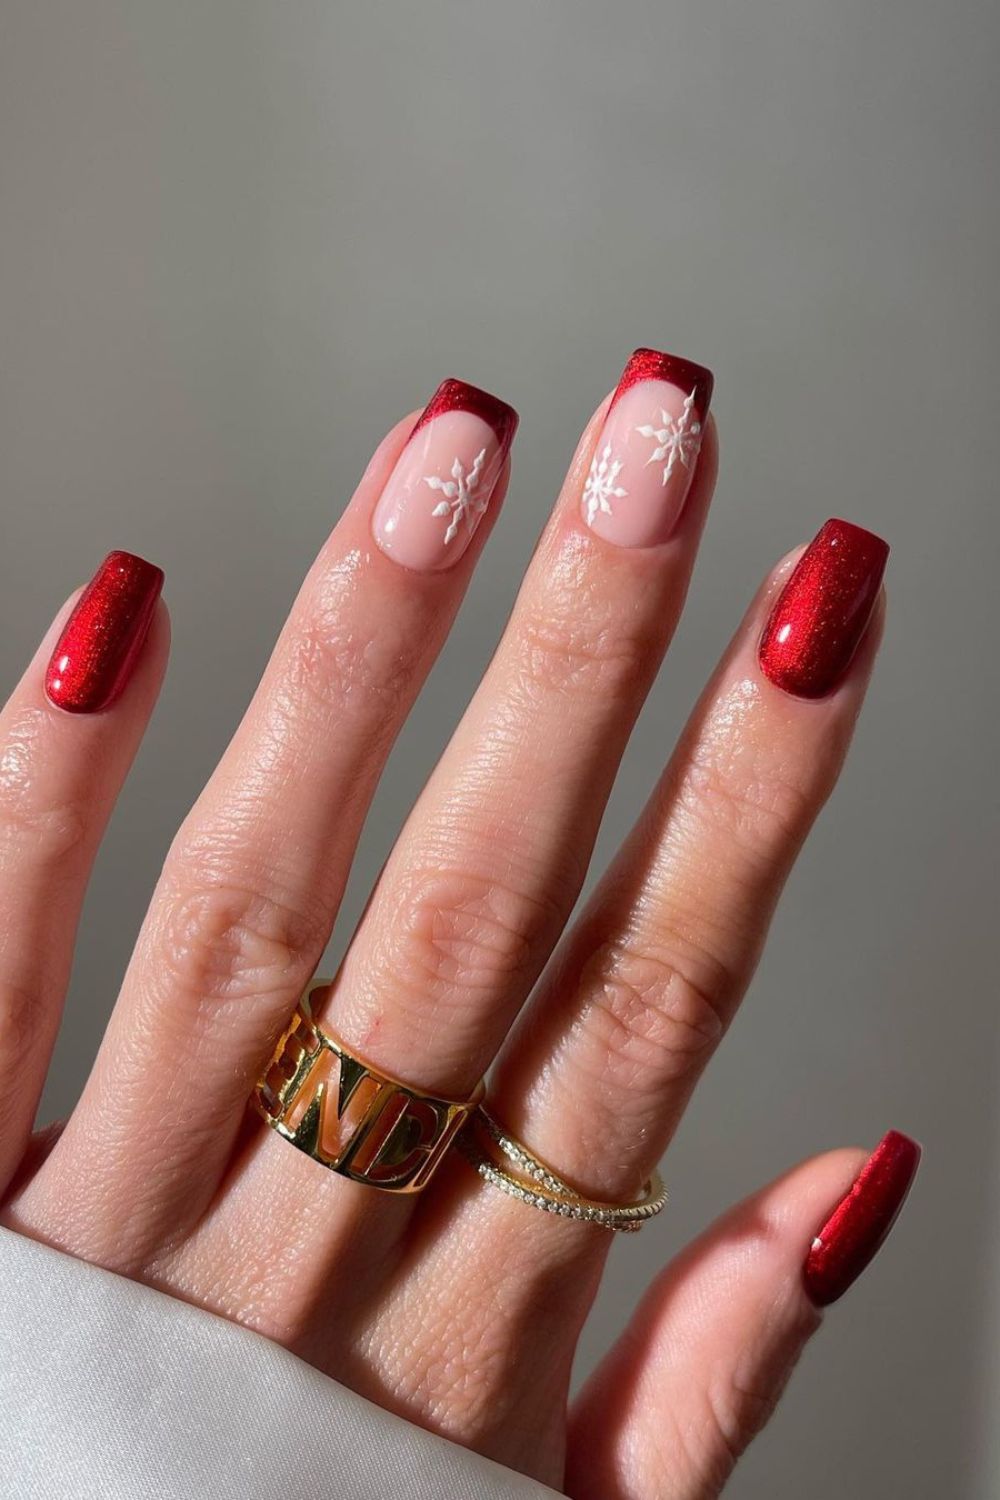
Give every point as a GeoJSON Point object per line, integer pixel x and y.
{"type": "Point", "coordinates": [238, 240]}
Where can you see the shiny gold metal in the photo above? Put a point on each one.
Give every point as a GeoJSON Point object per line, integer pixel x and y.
{"type": "Point", "coordinates": [493, 1152]}
{"type": "Point", "coordinates": [349, 1116]}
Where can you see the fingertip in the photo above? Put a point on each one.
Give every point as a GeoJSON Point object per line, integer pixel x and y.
{"type": "Point", "coordinates": [822, 613]}
{"type": "Point", "coordinates": [861, 1218]}
{"type": "Point", "coordinates": [102, 641]}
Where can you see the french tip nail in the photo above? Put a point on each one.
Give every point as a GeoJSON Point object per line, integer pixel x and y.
{"type": "Point", "coordinates": [656, 364]}
{"type": "Point", "coordinates": [862, 1220]}
{"type": "Point", "coordinates": [458, 395]}
{"type": "Point", "coordinates": [647, 451]}
{"type": "Point", "coordinates": [442, 486]}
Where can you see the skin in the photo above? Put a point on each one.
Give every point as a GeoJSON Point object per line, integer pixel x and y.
{"type": "Point", "coordinates": [459, 1310]}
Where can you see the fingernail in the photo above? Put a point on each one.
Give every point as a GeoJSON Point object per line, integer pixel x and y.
{"type": "Point", "coordinates": [861, 1221]}
{"type": "Point", "coordinates": [823, 611]}
{"type": "Point", "coordinates": [646, 454]}
{"type": "Point", "coordinates": [100, 643]}
{"type": "Point", "coordinates": [444, 478]}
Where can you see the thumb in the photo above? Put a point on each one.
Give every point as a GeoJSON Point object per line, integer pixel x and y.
{"type": "Point", "coordinates": [701, 1367]}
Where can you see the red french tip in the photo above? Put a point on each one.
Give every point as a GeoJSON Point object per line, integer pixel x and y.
{"type": "Point", "coordinates": [101, 641]}
{"type": "Point", "coordinates": [651, 364]}
{"type": "Point", "coordinates": [456, 395]}
{"type": "Point", "coordinates": [862, 1219]}
{"type": "Point", "coordinates": [823, 610]}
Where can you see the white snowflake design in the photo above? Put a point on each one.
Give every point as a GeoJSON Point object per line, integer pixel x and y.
{"type": "Point", "coordinates": [678, 438]}
{"type": "Point", "coordinates": [460, 495]}
{"type": "Point", "coordinates": [602, 486]}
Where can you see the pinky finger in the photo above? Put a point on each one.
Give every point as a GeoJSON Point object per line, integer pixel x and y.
{"type": "Point", "coordinates": [68, 735]}
{"type": "Point", "coordinates": [707, 1356]}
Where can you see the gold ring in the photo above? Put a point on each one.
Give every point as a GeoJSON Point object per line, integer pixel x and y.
{"type": "Point", "coordinates": [537, 1185]}
{"type": "Point", "coordinates": [349, 1116]}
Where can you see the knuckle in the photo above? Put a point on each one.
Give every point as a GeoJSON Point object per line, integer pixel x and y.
{"type": "Point", "coordinates": [51, 829]}
{"type": "Point", "coordinates": [222, 940]}
{"type": "Point", "coordinates": [582, 648]}
{"type": "Point", "coordinates": [738, 1413]}
{"type": "Point", "coordinates": [741, 1395]}
{"type": "Point", "coordinates": [651, 1022]}
{"type": "Point", "coordinates": [697, 1451]}
{"type": "Point", "coordinates": [759, 808]}
{"type": "Point", "coordinates": [465, 934]}
{"type": "Point", "coordinates": [330, 662]}
{"type": "Point", "coordinates": [52, 833]}
{"type": "Point", "coordinates": [740, 1405]}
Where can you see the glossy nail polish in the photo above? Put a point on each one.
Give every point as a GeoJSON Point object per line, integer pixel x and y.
{"type": "Point", "coordinates": [101, 641]}
{"type": "Point", "coordinates": [646, 454]}
{"type": "Point", "coordinates": [443, 481]}
{"type": "Point", "coordinates": [860, 1222]}
{"type": "Point", "coordinates": [823, 610]}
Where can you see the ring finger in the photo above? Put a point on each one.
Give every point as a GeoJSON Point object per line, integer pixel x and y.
{"type": "Point", "coordinates": [597, 1074]}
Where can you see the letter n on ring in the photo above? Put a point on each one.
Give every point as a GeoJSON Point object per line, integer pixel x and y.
{"type": "Point", "coordinates": [345, 1115]}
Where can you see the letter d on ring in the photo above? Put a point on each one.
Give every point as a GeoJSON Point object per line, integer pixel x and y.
{"type": "Point", "coordinates": [350, 1117]}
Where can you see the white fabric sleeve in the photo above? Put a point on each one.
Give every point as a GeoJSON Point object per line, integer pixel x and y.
{"type": "Point", "coordinates": [113, 1391]}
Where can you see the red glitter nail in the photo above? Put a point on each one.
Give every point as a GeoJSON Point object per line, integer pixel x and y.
{"type": "Point", "coordinates": [100, 643]}
{"type": "Point", "coordinates": [650, 364]}
{"type": "Point", "coordinates": [823, 611]}
{"type": "Point", "coordinates": [455, 395]}
{"type": "Point", "coordinates": [860, 1222]}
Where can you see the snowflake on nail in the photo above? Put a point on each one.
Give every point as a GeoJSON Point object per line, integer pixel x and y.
{"type": "Point", "coordinates": [460, 495]}
{"type": "Point", "coordinates": [602, 486]}
{"type": "Point", "coordinates": [678, 439]}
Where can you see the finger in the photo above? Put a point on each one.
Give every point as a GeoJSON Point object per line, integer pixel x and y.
{"type": "Point", "coordinates": [489, 864]}
{"type": "Point", "coordinates": [251, 884]}
{"type": "Point", "coordinates": [491, 860]}
{"type": "Point", "coordinates": [709, 1351]}
{"type": "Point", "coordinates": [68, 735]}
{"type": "Point", "coordinates": [598, 1076]}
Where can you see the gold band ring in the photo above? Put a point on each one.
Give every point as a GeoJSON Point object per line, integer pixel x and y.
{"type": "Point", "coordinates": [351, 1117]}
{"type": "Point", "coordinates": [507, 1164]}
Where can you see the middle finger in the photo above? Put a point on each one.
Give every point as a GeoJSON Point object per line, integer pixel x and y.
{"type": "Point", "coordinates": [490, 863]}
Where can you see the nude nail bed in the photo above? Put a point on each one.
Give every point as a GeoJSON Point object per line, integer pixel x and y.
{"type": "Point", "coordinates": [645, 457]}
{"type": "Point", "coordinates": [444, 479]}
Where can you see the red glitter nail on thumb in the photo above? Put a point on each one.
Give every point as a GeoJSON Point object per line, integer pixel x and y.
{"type": "Point", "coordinates": [862, 1219]}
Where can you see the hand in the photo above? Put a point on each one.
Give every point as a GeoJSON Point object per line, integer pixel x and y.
{"type": "Point", "coordinates": [458, 1308]}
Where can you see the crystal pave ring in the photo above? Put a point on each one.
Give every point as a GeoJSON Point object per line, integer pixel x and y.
{"type": "Point", "coordinates": [350, 1117]}
{"type": "Point", "coordinates": [507, 1164]}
